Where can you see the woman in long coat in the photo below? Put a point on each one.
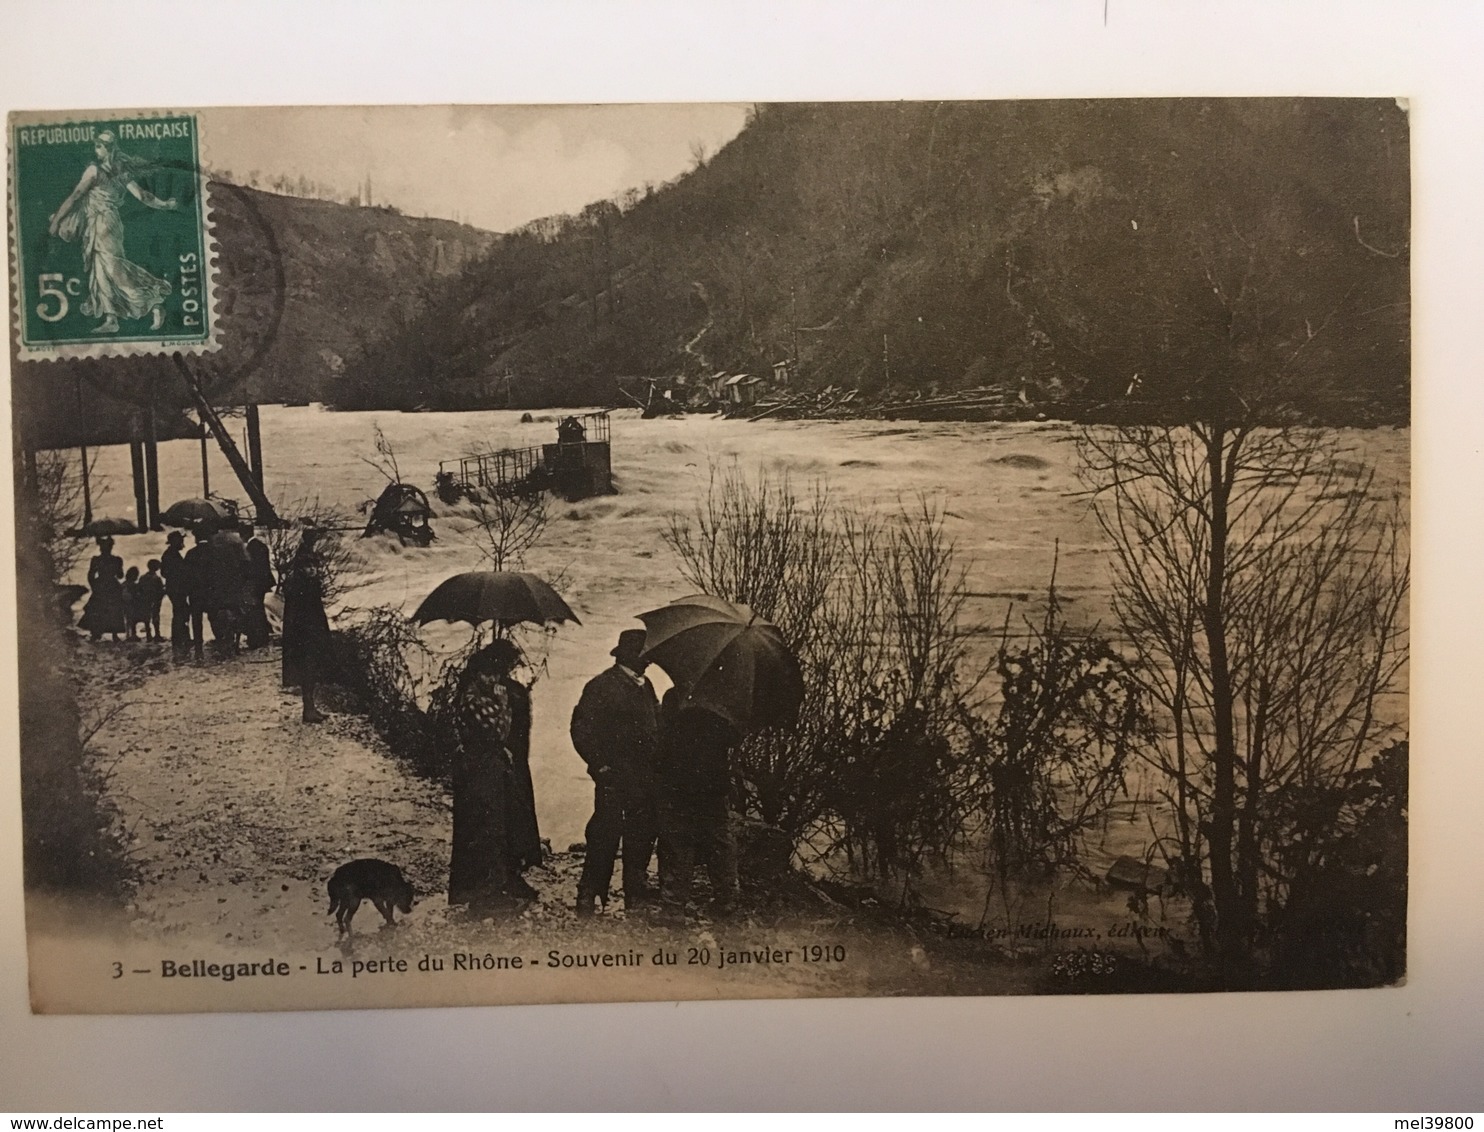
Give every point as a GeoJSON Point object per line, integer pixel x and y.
{"type": "Point", "coordinates": [502, 657]}
{"type": "Point", "coordinates": [308, 659]}
{"type": "Point", "coordinates": [104, 612]}
{"type": "Point", "coordinates": [483, 868]}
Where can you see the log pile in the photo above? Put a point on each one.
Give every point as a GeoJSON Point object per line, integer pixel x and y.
{"type": "Point", "coordinates": [832, 403]}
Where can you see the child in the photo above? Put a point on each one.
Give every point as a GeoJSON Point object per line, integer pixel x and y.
{"type": "Point", "coordinates": [133, 614]}
{"type": "Point", "coordinates": [150, 594]}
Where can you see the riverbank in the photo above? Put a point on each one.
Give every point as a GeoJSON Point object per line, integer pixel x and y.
{"type": "Point", "coordinates": [232, 814]}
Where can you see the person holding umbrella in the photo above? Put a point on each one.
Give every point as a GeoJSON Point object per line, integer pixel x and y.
{"type": "Point", "coordinates": [308, 659]}
{"type": "Point", "coordinates": [488, 803]}
{"type": "Point", "coordinates": [226, 574]}
{"type": "Point", "coordinates": [695, 823]}
{"type": "Point", "coordinates": [734, 674]}
{"type": "Point", "coordinates": [197, 588]}
{"type": "Point", "coordinates": [502, 656]}
{"type": "Point", "coordinates": [615, 729]}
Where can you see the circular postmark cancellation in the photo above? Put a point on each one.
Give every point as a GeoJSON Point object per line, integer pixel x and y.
{"type": "Point", "coordinates": [111, 240]}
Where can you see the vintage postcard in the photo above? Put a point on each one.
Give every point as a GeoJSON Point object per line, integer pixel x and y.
{"type": "Point", "coordinates": [512, 554]}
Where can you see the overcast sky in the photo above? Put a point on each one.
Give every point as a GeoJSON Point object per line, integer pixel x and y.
{"type": "Point", "coordinates": [493, 167]}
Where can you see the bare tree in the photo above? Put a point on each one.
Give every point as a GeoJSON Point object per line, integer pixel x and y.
{"type": "Point", "coordinates": [872, 775]}
{"type": "Point", "coordinates": [57, 510]}
{"type": "Point", "coordinates": [1262, 586]}
{"type": "Point", "coordinates": [508, 524]}
{"type": "Point", "coordinates": [335, 560]}
{"type": "Point", "coordinates": [385, 461]}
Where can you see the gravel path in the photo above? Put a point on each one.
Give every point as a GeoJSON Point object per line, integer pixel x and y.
{"type": "Point", "coordinates": [234, 813]}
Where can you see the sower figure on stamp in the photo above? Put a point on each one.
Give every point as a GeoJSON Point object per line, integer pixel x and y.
{"type": "Point", "coordinates": [117, 287]}
{"type": "Point", "coordinates": [615, 728]}
{"type": "Point", "coordinates": [695, 823]}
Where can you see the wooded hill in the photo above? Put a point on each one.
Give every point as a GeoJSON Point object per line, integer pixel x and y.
{"type": "Point", "coordinates": [302, 284]}
{"type": "Point", "coordinates": [1059, 248]}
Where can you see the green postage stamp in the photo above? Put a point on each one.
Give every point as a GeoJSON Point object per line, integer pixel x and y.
{"type": "Point", "coordinates": [110, 235]}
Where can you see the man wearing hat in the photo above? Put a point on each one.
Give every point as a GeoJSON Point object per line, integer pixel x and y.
{"type": "Point", "coordinates": [177, 589]}
{"type": "Point", "coordinates": [615, 729]}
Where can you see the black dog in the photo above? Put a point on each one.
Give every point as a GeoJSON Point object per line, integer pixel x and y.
{"type": "Point", "coordinates": [368, 879]}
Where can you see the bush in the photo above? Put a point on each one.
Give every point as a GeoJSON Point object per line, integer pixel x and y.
{"type": "Point", "coordinates": [1343, 922]}
{"type": "Point", "coordinates": [65, 838]}
{"type": "Point", "coordinates": [372, 660]}
{"type": "Point", "coordinates": [1071, 716]}
{"type": "Point", "coordinates": [872, 775]}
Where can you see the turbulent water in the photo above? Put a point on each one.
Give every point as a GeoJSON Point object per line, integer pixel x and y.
{"type": "Point", "coordinates": [1010, 493]}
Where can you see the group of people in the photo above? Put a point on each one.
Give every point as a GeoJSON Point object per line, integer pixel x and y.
{"type": "Point", "coordinates": [122, 603]}
{"type": "Point", "coordinates": [661, 774]}
{"type": "Point", "coordinates": [222, 583]}
{"type": "Point", "coordinates": [660, 771]}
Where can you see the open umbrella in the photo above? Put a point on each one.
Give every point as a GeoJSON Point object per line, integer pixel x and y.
{"type": "Point", "coordinates": [727, 659]}
{"type": "Point", "coordinates": [109, 526]}
{"type": "Point", "coordinates": [189, 512]}
{"type": "Point", "coordinates": [494, 595]}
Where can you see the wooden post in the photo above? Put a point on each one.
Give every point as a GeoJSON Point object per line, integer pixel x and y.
{"type": "Point", "coordinates": [266, 515]}
{"type": "Point", "coordinates": [793, 318]}
{"type": "Point", "coordinates": [151, 465]}
{"type": "Point", "coordinates": [32, 473]}
{"type": "Point", "coordinates": [87, 486]}
{"type": "Point", "coordinates": [141, 497]}
{"type": "Point", "coordinates": [254, 444]}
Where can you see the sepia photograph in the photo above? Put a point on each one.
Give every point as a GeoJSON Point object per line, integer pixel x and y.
{"type": "Point", "coordinates": [475, 555]}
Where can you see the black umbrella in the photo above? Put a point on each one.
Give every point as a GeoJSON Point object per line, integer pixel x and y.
{"type": "Point", "coordinates": [493, 595]}
{"type": "Point", "coordinates": [189, 512]}
{"type": "Point", "coordinates": [109, 526]}
{"type": "Point", "coordinates": [725, 658]}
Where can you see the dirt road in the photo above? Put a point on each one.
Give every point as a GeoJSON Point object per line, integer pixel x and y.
{"type": "Point", "coordinates": [233, 813]}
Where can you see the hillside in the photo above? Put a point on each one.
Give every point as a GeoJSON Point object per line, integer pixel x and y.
{"type": "Point", "coordinates": [1058, 248]}
{"type": "Point", "coordinates": [347, 273]}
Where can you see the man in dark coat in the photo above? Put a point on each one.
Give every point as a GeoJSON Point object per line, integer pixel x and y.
{"type": "Point", "coordinates": [197, 583]}
{"type": "Point", "coordinates": [226, 584]}
{"type": "Point", "coordinates": [177, 589]}
{"type": "Point", "coordinates": [695, 779]}
{"type": "Point", "coordinates": [615, 729]}
{"type": "Point", "coordinates": [308, 647]}
{"type": "Point", "coordinates": [259, 584]}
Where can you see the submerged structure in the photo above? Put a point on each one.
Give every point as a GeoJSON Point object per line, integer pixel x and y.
{"type": "Point", "coordinates": [577, 466]}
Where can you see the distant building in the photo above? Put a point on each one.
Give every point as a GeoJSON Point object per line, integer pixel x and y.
{"type": "Point", "coordinates": [741, 389]}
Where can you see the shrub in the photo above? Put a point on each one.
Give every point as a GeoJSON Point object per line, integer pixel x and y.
{"type": "Point", "coordinates": [1071, 716]}
{"type": "Point", "coordinates": [872, 774]}
{"type": "Point", "coordinates": [372, 661]}
{"type": "Point", "coordinates": [1343, 922]}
